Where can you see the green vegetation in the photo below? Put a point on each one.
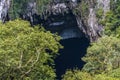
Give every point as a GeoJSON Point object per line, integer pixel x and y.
{"type": "Point", "coordinates": [99, 13]}
{"type": "Point", "coordinates": [17, 7]}
{"type": "Point", "coordinates": [115, 73]}
{"type": "Point", "coordinates": [82, 9]}
{"type": "Point", "coordinates": [102, 61]}
{"type": "Point", "coordinates": [26, 52]}
{"type": "Point", "coordinates": [80, 75]}
{"type": "Point", "coordinates": [104, 77]}
{"type": "Point", "coordinates": [112, 20]}
{"type": "Point", "coordinates": [103, 56]}
{"type": "Point", "coordinates": [77, 75]}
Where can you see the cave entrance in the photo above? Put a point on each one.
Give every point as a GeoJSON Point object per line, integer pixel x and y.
{"type": "Point", "coordinates": [73, 39]}
{"type": "Point", "coordinates": [70, 56]}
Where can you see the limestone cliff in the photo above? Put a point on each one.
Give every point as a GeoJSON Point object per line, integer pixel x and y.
{"type": "Point", "coordinates": [4, 7]}
{"type": "Point", "coordinates": [70, 18]}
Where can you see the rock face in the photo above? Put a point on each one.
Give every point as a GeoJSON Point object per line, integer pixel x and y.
{"type": "Point", "coordinates": [4, 7]}
{"type": "Point", "coordinates": [96, 28]}
{"type": "Point", "coordinates": [92, 28]}
{"type": "Point", "coordinates": [104, 4]}
{"type": "Point", "coordinates": [61, 17]}
{"type": "Point", "coordinates": [93, 25]}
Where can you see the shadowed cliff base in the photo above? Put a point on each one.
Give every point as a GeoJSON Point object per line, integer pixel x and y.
{"type": "Point", "coordinates": [70, 56]}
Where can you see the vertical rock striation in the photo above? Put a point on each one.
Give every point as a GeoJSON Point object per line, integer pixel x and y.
{"type": "Point", "coordinates": [93, 25]}
{"type": "Point", "coordinates": [4, 7]}
{"type": "Point", "coordinates": [86, 18]}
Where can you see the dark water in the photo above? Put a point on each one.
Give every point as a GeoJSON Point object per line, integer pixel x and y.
{"type": "Point", "coordinates": [70, 56]}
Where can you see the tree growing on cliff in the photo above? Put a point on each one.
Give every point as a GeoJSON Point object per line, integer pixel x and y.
{"type": "Point", "coordinates": [26, 52]}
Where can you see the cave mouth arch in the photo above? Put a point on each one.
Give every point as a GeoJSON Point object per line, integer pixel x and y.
{"type": "Point", "coordinates": [70, 56]}
{"type": "Point", "coordinates": [74, 41]}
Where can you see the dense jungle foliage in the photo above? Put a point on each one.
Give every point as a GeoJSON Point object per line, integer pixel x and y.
{"type": "Point", "coordinates": [28, 53]}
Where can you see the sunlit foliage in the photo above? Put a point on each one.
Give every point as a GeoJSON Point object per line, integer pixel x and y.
{"type": "Point", "coordinates": [103, 55]}
{"type": "Point", "coordinates": [80, 75]}
{"type": "Point", "coordinates": [27, 53]}
{"type": "Point", "coordinates": [76, 75]}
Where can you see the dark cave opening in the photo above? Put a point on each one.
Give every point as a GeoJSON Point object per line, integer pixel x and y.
{"type": "Point", "coordinates": [73, 39]}
{"type": "Point", "coordinates": [70, 56]}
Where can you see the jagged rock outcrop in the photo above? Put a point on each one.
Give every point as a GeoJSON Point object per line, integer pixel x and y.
{"type": "Point", "coordinates": [83, 12]}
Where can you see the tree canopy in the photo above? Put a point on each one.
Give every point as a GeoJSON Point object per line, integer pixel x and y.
{"type": "Point", "coordinates": [27, 53]}
{"type": "Point", "coordinates": [80, 75]}
{"type": "Point", "coordinates": [103, 55]}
